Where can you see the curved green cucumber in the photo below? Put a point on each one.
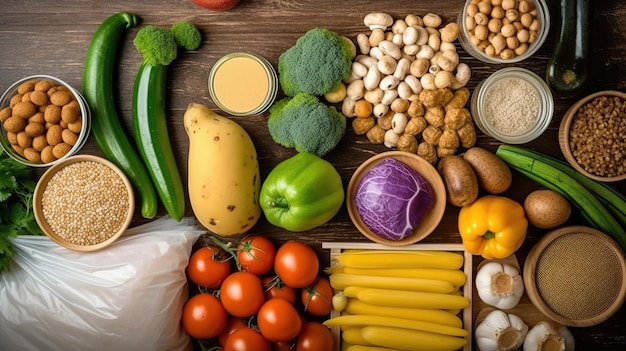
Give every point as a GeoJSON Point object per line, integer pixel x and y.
{"type": "Point", "coordinates": [105, 124]}
{"type": "Point", "coordinates": [151, 136]}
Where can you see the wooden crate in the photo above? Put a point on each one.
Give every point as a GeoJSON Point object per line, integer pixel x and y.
{"type": "Point", "coordinates": [337, 247]}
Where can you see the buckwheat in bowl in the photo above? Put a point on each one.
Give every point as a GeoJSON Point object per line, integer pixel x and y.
{"type": "Point", "coordinates": [84, 202]}
{"type": "Point", "coordinates": [592, 136]}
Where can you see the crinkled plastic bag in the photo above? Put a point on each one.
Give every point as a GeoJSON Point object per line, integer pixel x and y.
{"type": "Point", "coordinates": [128, 296]}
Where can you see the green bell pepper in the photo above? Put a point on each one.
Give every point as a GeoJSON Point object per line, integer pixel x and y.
{"type": "Point", "coordinates": [301, 193]}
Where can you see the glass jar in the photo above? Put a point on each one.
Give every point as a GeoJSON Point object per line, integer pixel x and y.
{"type": "Point", "coordinates": [513, 105]}
{"type": "Point", "coordinates": [243, 84]}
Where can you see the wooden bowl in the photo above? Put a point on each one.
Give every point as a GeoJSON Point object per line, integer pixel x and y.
{"type": "Point", "coordinates": [564, 135]}
{"type": "Point", "coordinates": [576, 276]}
{"type": "Point", "coordinates": [90, 192]}
{"type": "Point", "coordinates": [431, 218]}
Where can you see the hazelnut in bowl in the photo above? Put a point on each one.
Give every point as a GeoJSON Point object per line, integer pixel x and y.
{"type": "Point", "coordinates": [83, 202]}
{"type": "Point", "coordinates": [396, 198]}
{"type": "Point", "coordinates": [592, 136]}
{"type": "Point", "coordinates": [503, 31]}
{"type": "Point", "coordinates": [44, 120]}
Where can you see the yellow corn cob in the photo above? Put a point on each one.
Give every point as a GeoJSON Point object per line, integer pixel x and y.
{"type": "Point", "coordinates": [340, 281]}
{"type": "Point", "coordinates": [406, 299]}
{"type": "Point", "coordinates": [353, 336]}
{"type": "Point", "coordinates": [363, 320]}
{"type": "Point", "coordinates": [356, 307]}
{"type": "Point", "coordinates": [411, 340]}
{"type": "Point", "coordinates": [401, 259]}
{"type": "Point", "coordinates": [455, 277]}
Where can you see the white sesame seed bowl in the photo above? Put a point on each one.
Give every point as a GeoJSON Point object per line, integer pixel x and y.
{"type": "Point", "coordinates": [84, 203]}
{"type": "Point", "coordinates": [513, 105]}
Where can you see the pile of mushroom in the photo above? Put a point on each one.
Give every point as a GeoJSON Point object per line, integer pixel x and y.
{"type": "Point", "coordinates": [407, 86]}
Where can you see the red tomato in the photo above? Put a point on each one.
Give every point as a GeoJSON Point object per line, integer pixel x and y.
{"type": "Point", "coordinates": [314, 337]}
{"type": "Point", "coordinates": [282, 346]}
{"type": "Point", "coordinates": [256, 254]}
{"type": "Point", "coordinates": [247, 339]}
{"type": "Point", "coordinates": [317, 297]}
{"type": "Point", "coordinates": [208, 266]}
{"type": "Point", "coordinates": [296, 264]}
{"type": "Point", "coordinates": [203, 316]}
{"type": "Point", "coordinates": [275, 288]}
{"type": "Point", "coordinates": [242, 294]}
{"type": "Point", "coordinates": [233, 324]}
{"type": "Point", "coordinates": [278, 320]}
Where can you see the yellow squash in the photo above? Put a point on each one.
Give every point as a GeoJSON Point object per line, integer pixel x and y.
{"type": "Point", "coordinates": [224, 179]}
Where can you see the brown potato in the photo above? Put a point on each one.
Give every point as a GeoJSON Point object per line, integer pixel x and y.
{"type": "Point", "coordinates": [546, 209]}
{"type": "Point", "coordinates": [460, 180]}
{"type": "Point", "coordinates": [493, 174]}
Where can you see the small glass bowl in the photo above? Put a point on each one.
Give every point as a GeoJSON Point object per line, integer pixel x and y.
{"type": "Point", "coordinates": [509, 128]}
{"type": "Point", "coordinates": [85, 114]}
{"type": "Point", "coordinates": [542, 15]}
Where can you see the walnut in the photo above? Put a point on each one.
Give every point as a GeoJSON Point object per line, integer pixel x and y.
{"type": "Point", "coordinates": [467, 135]}
{"type": "Point", "coordinates": [430, 97]}
{"type": "Point", "coordinates": [385, 121]}
{"type": "Point", "coordinates": [459, 99]}
{"type": "Point", "coordinates": [408, 143]}
{"type": "Point", "coordinates": [427, 151]}
{"type": "Point", "coordinates": [431, 134]}
{"type": "Point", "coordinates": [415, 125]}
{"type": "Point", "coordinates": [435, 115]}
{"type": "Point", "coordinates": [449, 139]}
{"type": "Point", "coordinates": [443, 152]}
{"type": "Point", "coordinates": [376, 135]}
{"type": "Point", "coordinates": [455, 118]}
{"type": "Point", "coordinates": [416, 109]}
{"type": "Point", "coordinates": [362, 125]}
{"type": "Point", "coordinates": [445, 96]}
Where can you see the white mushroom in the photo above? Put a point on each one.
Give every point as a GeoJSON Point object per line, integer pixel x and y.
{"type": "Point", "coordinates": [378, 20]}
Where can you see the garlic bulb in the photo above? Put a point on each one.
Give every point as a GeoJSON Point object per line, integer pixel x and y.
{"type": "Point", "coordinates": [546, 336]}
{"type": "Point", "coordinates": [499, 285]}
{"type": "Point", "coordinates": [500, 331]}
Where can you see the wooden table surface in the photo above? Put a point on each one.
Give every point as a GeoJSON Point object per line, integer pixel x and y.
{"type": "Point", "coordinates": [42, 37]}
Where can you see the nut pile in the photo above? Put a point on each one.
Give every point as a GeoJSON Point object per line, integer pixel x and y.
{"type": "Point", "coordinates": [43, 121]}
{"type": "Point", "coordinates": [502, 28]}
{"type": "Point", "coordinates": [598, 136]}
{"type": "Point", "coordinates": [407, 86]}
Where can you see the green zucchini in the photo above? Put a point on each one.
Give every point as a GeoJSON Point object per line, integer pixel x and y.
{"type": "Point", "coordinates": [612, 199]}
{"type": "Point", "coordinates": [566, 72]}
{"type": "Point", "coordinates": [588, 205]}
{"type": "Point", "coordinates": [106, 127]}
{"type": "Point", "coordinates": [151, 136]}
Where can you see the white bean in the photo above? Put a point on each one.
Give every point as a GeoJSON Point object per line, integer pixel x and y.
{"type": "Point", "coordinates": [372, 78]}
{"type": "Point", "coordinates": [397, 39]}
{"type": "Point", "coordinates": [347, 107]}
{"type": "Point", "coordinates": [398, 122]}
{"type": "Point", "coordinates": [425, 52]}
{"type": "Point", "coordinates": [434, 41]}
{"type": "Point", "coordinates": [428, 81]}
{"type": "Point", "coordinates": [410, 36]}
{"type": "Point", "coordinates": [404, 90]}
{"type": "Point", "coordinates": [391, 138]}
{"type": "Point", "coordinates": [402, 68]}
{"type": "Point", "coordinates": [374, 96]}
{"type": "Point", "coordinates": [376, 52]}
{"type": "Point", "coordinates": [359, 69]}
{"type": "Point", "coordinates": [411, 50]}
{"type": "Point", "coordinates": [389, 96]}
{"type": "Point", "coordinates": [366, 60]}
{"type": "Point", "coordinates": [387, 65]}
{"type": "Point", "coordinates": [414, 83]}
{"type": "Point", "coordinates": [389, 82]}
{"type": "Point", "coordinates": [391, 49]}
{"type": "Point", "coordinates": [422, 35]}
{"type": "Point", "coordinates": [355, 90]}
{"type": "Point", "coordinates": [380, 110]}
{"type": "Point", "coordinates": [363, 42]}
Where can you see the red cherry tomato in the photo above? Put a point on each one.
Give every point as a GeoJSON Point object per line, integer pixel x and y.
{"type": "Point", "coordinates": [282, 346]}
{"type": "Point", "coordinates": [256, 254]}
{"type": "Point", "coordinates": [317, 297]}
{"type": "Point", "coordinates": [247, 339]}
{"type": "Point", "coordinates": [314, 336]}
{"type": "Point", "coordinates": [203, 316]}
{"type": "Point", "coordinates": [232, 325]}
{"type": "Point", "coordinates": [208, 266]}
{"type": "Point", "coordinates": [296, 264]}
{"type": "Point", "coordinates": [275, 288]}
{"type": "Point", "coordinates": [242, 294]}
{"type": "Point", "coordinates": [278, 320]}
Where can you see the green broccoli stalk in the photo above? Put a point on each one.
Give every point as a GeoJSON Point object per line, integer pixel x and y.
{"type": "Point", "coordinates": [306, 124]}
{"type": "Point", "coordinates": [316, 64]}
{"type": "Point", "coordinates": [159, 48]}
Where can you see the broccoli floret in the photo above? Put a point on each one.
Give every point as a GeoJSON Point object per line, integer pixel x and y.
{"type": "Point", "coordinates": [157, 45]}
{"type": "Point", "coordinates": [187, 35]}
{"type": "Point", "coordinates": [316, 64]}
{"type": "Point", "coordinates": [306, 124]}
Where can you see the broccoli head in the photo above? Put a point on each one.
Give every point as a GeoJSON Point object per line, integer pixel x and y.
{"type": "Point", "coordinates": [187, 35]}
{"type": "Point", "coordinates": [306, 124]}
{"type": "Point", "coordinates": [316, 64]}
{"type": "Point", "coordinates": [157, 45]}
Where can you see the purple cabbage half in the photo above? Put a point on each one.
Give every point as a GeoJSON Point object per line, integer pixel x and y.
{"type": "Point", "coordinates": [392, 198]}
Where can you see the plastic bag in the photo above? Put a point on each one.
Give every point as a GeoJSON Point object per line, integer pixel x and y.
{"type": "Point", "coordinates": [128, 296]}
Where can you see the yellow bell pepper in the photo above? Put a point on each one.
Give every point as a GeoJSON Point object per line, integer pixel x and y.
{"type": "Point", "coordinates": [493, 226]}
